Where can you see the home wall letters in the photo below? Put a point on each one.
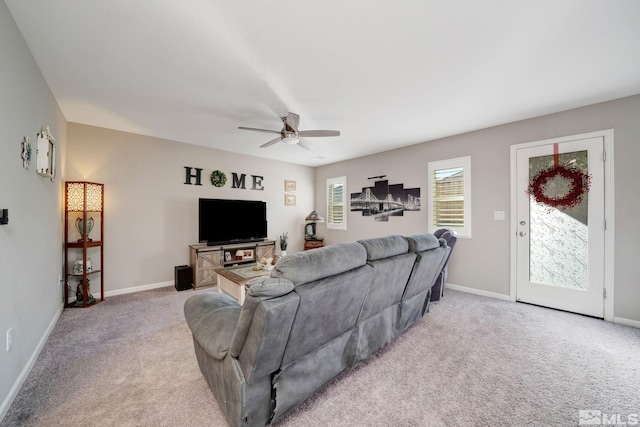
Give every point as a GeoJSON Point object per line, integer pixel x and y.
{"type": "Point", "coordinates": [219, 179]}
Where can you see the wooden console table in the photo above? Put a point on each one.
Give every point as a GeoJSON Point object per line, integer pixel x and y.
{"type": "Point", "coordinates": [232, 280]}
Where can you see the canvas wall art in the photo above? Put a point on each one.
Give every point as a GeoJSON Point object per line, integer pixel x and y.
{"type": "Point", "coordinates": [383, 200]}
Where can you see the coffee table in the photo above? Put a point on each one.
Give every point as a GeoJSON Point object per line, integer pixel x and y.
{"type": "Point", "coordinates": [232, 280]}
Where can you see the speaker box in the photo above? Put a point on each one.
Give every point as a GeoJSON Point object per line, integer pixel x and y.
{"type": "Point", "coordinates": [183, 276]}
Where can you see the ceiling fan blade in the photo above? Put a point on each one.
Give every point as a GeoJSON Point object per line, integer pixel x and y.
{"type": "Point", "coordinates": [292, 120]}
{"type": "Point", "coordinates": [270, 143]}
{"type": "Point", "coordinates": [259, 130]}
{"type": "Point", "coordinates": [306, 144]}
{"type": "Point", "coordinates": [313, 133]}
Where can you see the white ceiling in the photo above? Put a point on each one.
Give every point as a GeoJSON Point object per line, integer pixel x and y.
{"type": "Point", "coordinates": [385, 73]}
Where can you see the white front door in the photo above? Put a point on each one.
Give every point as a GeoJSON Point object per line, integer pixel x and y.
{"type": "Point", "coordinates": [560, 230]}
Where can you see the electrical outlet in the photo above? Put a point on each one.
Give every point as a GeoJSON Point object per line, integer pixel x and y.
{"type": "Point", "coordinates": [9, 339]}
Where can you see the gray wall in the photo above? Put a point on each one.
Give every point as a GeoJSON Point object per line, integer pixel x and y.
{"type": "Point", "coordinates": [482, 262]}
{"type": "Point", "coordinates": [31, 244]}
{"type": "Point", "coordinates": [151, 216]}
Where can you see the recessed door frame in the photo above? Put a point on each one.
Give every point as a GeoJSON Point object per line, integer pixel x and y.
{"type": "Point", "coordinates": [609, 216]}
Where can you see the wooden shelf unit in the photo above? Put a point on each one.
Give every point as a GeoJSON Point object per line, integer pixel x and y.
{"type": "Point", "coordinates": [205, 259]}
{"type": "Point", "coordinates": [80, 245]}
{"type": "Point", "coordinates": [76, 249]}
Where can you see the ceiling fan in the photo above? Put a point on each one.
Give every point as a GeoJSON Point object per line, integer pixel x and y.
{"type": "Point", "coordinates": [290, 133]}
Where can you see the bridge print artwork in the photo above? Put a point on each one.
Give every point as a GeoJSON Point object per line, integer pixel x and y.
{"type": "Point", "coordinates": [383, 200]}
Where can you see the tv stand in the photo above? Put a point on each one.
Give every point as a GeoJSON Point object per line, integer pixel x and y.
{"type": "Point", "coordinates": [205, 258]}
{"type": "Point", "coordinates": [236, 241]}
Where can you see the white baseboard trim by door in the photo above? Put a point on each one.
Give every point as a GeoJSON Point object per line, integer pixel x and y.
{"type": "Point", "coordinates": [4, 408]}
{"type": "Point", "coordinates": [138, 288]}
{"type": "Point", "coordinates": [476, 291]}
{"type": "Point", "coordinates": [626, 322]}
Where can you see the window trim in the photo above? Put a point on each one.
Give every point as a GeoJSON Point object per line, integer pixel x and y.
{"type": "Point", "coordinates": [465, 164]}
{"type": "Point", "coordinates": [332, 225]}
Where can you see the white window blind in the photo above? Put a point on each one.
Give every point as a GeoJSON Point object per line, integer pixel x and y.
{"type": "Point", "coordinates": [450, 195]}
{"type": "Point", "coordinates": [336, 203]}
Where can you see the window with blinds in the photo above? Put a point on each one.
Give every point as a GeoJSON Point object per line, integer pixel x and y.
{"type": "Point", "coordinates": [450, 195]}
{"type": "Point", "coordinates": [336, 203]}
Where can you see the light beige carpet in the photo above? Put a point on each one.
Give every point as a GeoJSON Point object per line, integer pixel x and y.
{"type": "Point", "coordinates": [471, 361]}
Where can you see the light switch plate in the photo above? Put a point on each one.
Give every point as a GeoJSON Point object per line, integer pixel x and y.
{"type": "Point", "coordinates": [498, 215]}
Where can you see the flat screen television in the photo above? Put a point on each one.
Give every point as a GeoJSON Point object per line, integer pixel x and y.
{"type": "Point", "coordinates": [222, 221]}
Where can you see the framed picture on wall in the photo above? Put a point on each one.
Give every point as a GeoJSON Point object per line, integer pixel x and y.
{"type": "Point", "coordinates": [289, 200]}
{"type": "Point", "coordinates": [46, 154]}
{"type": "Point", "coordinates": [289, 186]}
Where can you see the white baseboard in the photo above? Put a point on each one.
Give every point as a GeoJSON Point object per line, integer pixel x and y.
{"type": "Point", "coordinates": [477, 291]}
{"type": "Point", "coordinates": [138, 288]}
{"type": "Point", "coordinates": [626, 322]}
{"type": "Point", "coordinates": [4, 408]}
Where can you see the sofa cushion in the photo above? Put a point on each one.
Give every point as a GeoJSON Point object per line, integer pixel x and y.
{"type": "Point", "coordinates": [308, 266]}
{"type": "Point", "coordinates": [385, 247]}
{"type": "Point", "coordinates": [423, 242]}
{"type": "Point", "coordinates": [212, 318]}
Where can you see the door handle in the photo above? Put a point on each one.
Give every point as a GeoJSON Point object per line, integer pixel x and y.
{"type": "Point", "coordinates": [522, 233]}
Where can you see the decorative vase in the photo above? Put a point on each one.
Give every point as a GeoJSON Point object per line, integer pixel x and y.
{"type": "Point", "coordinates": [283, 253]}
{"type": "Point", "coordinates": [80, 228]}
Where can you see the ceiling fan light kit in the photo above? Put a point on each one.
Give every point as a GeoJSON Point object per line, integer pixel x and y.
{"type": "Point", "coordinates": [290, 134]}
{"type": "Point", "coordinates": [290, 138]}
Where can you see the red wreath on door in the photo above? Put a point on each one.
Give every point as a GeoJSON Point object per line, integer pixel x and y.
{"type": "Point", "coordinates": [579, 186]}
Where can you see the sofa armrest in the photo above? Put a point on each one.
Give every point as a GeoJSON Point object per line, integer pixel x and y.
{"type": "Point", "coordinates": [260, 288]}
{"type": "Point", "coordinates": [212, 318]}
{"type": "Point", "coordinates": [269, 287]}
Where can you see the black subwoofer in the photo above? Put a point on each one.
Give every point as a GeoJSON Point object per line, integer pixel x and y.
{"type": "Point", "coordinates": [183, 276]}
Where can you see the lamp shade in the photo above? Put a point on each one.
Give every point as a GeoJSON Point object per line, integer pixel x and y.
{"type": "Point", "coordinates": [314, 216]}
{"type": "Point", "coordinates": [84, 196]}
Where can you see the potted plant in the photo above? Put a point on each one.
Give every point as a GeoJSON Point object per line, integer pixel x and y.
{"type": "Point", "coordinates": [283, 243]}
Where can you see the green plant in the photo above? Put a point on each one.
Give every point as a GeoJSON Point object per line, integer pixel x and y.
{"type": "Point", "coordinates": [283, 241]}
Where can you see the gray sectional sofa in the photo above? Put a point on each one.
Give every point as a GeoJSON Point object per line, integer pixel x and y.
{"type": "Point", "coordinates": [319, 314]}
